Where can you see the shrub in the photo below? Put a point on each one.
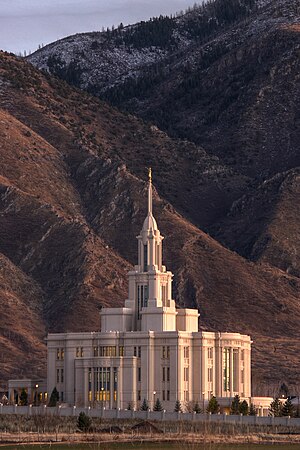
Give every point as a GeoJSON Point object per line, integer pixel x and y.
{"type": "Point", "coordinates": [84, 422]}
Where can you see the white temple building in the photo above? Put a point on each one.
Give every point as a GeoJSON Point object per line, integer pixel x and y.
{"type": "Point", "coordinates": [149, 349]}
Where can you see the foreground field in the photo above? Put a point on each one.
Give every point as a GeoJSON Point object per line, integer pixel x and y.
{"type": "Point", "coordinates": [62, 432]}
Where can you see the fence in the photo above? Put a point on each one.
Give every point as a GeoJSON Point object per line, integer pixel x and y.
{"type": "Point", "coordinates": [165, 416]}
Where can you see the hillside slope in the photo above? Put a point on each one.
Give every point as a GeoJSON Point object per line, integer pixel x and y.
{"type": "Point", "coordinates": [223, 76]}
{"type": "Point", "coordinates": [73, 198]}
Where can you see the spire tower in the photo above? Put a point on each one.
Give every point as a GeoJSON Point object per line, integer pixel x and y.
{"type": "Point", "coordinates": [150, 284]}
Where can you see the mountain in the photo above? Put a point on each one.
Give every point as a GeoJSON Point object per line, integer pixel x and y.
{"type": "Point", "coordinates": [223, 76]}
{"type": "Point", "coordinates": [72, 200]}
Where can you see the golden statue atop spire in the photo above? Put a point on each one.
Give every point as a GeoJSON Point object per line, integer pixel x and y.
{"type": "Point", "coordinates": [150, 174]}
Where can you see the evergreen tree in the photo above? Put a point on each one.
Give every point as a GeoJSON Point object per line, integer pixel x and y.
{"type": "Point", "coordinates": [213, 406]}
{"type": "Point", "coordinates": [252, 410]}
{"type": "Point", "coordinates": [297, 409]}
{"type": "Point", "coordinates": [275, 408]}
{"type": "Point", "coordinates": [84, 422]}
{"type": "Point", "coordinates": [23, 398]}
{"type": "Point", "coordinates": [157, 406]}
{"type": "Point", "coordinates": [145, 405]}
{"type": "Point", "coordinates": [244, 408]}
{"type": "Point", "coordinates": [54, 398]}
{"type": "Point", "coordinates": [197, 408]}
{"type": "Point", "coordinates": [178, 406]}
{"type": "Point", "coordinates": [235, 405]}
{"type": "Point", "coordinates": [288, 408]}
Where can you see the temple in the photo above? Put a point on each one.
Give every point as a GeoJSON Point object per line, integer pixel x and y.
{"type": "Point", "coordinates": [149, 349]}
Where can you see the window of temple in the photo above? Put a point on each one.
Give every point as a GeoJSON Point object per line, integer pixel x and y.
{"type": "Point", "coordinates": [186, 352]}
{"type": "Point", "coordinates": [145, 258]}
{"type": "Point", "coordinates": [164, 296]}
{"type": "Point", "coordinates": [163, 352]}
{"type": "Point", "coordinates": [57, 375]}
{"type": "Point", "coordinates": [57, 353]}
{"type": "Point", "coordinates": [168, 373]}
{"type": "Point", "coordinates": [139, 351]}
{"type": "Point", "coordinates": [209, 374]}
{"type": "Point", "coordinates": [164, 395]}
{"type": "Point", "coordinates": [168, 395]}
{"type": "Point", "coordinates": [210, 353]}
{"type": "Point", "coordinates": [81, 352]}
{"type": "Point", "coordinates": [139, 374]}
{"type": "Point", "coordinates": [62, 353]}
{"type": "Point", "coordinates": [77, 352]}
{"type": "Point", "coordinates": [139, 395]}
{"type": "Point", "coordinates": [134, 351]}
{"type": "Point", "coordinates": [235, 370]}
{"type": "Point", "coordinates": [121, 350]}
{"type": "Point", "coordinates": [102, 383]}
{"type": "Point", "coordinates": [95, 351]}
{"type": "Point", "coordinates": [108, 350]}
{"type": "Point", "coordinates": [62, 375]}
{"type": "Point", "coordinates": [90, 384]}
{"type": "Point", "coordinates": [142, 295]}
{"type": "Point", "coordinates": [186, 374]}
{"type": "Point", "coordinates": [115, 383]}
{"type": "Point", "coordinates": [226, 369]}
{"type": "Point", "coordinates": [163, 374]}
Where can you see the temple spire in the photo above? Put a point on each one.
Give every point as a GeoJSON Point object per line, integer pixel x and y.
{"type": "Point", "coordinates": [150, 191]}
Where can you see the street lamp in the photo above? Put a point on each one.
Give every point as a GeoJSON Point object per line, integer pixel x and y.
{"type": "Point", "coordinates": [102, 398]}
{"type": "Point", "coordinates": [36, 395]}
{"type": "Point", "coordinates": [154, 394]}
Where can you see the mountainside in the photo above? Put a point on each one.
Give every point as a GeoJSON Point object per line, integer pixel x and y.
{"type": "Point", "coordinates": [73, 199]}
{"type": "Point", "coordinates": [223, 76]}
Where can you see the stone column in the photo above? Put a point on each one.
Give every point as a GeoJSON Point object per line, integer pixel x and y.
{"type": "Point", "coordinates": [85, 386]}
{"type": "Point", "coordinates": [231, 372]}
{"type": "Point", "coordinates": [218, 366]}
{"type": "Point", "coordinates": [203, 370]}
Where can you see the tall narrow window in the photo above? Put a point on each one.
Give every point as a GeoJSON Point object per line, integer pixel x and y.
{"type": "Point", "coordinates": [139, 300]}
{"type": "Point", "coordinates": [145, 258]}
{"type": "Point", "coordinates": [226, 371]}
{"type": "Point", "coordinates": [145, 296]}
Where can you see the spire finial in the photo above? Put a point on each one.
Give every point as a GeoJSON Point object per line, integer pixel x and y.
{"type": "Point", "coordinates": [150, 191]}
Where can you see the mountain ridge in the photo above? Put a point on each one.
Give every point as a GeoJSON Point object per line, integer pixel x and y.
{"type": "Point", "coordinates": [232, 89]}
{"type": "Point", "coordinates": [77, 245]}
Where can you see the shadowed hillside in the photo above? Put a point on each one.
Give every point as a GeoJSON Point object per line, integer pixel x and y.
{"type": "Point", "coordinates": [73, 199]}
{"type": "Point", "coordinates": [223, 76]}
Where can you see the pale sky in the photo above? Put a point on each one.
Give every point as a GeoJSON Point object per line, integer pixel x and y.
{"type": "Point", "coordinates": [24, 24]}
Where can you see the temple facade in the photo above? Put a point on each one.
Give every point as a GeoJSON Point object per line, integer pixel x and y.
{"type": "Point", "coordinates": [149, 349]}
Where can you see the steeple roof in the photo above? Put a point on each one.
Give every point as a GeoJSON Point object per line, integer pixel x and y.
{"type": "Point", "coordinates": [150, 222]}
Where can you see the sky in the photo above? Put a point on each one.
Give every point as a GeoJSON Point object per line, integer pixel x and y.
{"type": "Point", "coordinates": [26, 24]}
